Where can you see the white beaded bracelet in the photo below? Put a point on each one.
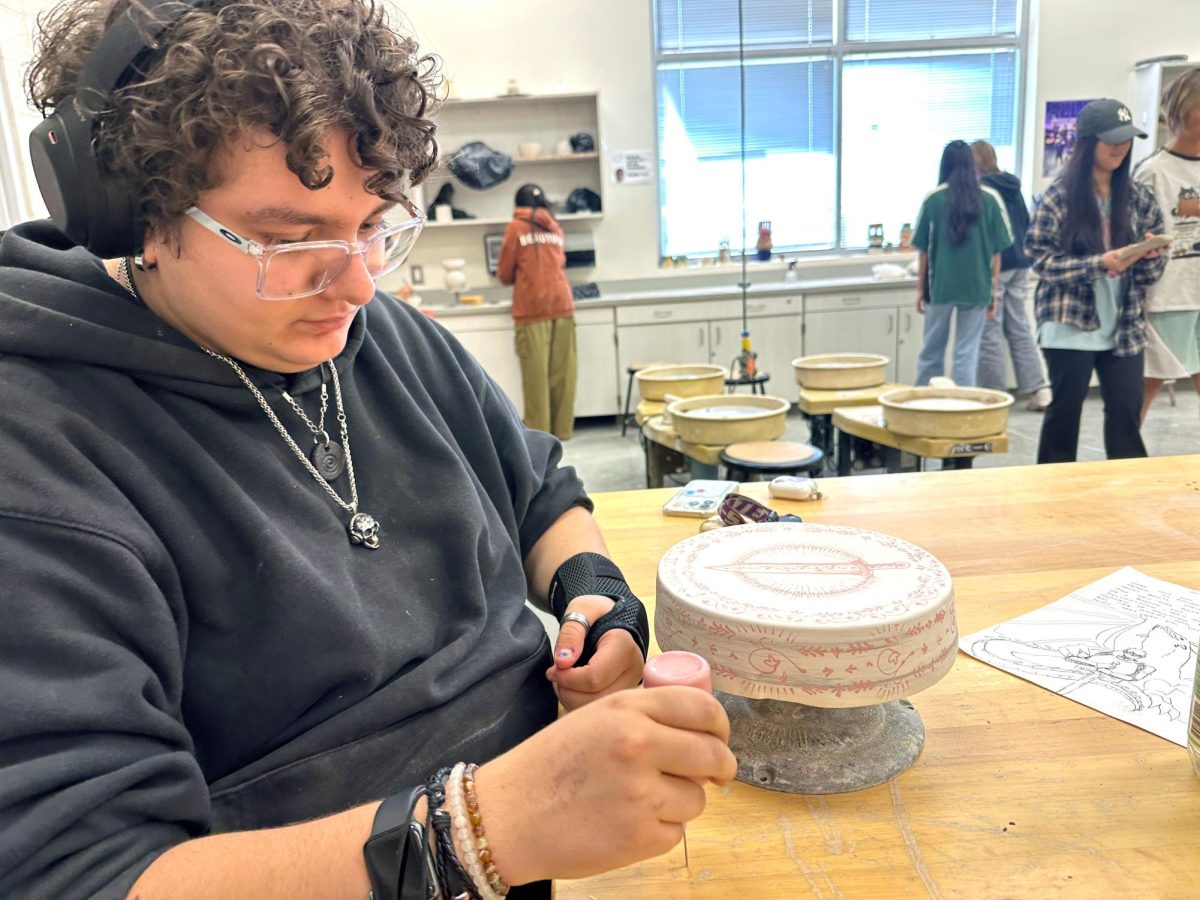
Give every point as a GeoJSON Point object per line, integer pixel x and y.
{"type": "Point", "coordinates": [464, 833]}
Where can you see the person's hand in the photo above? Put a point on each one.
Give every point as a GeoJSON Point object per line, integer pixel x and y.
{"type": "Point", "coordinates": [921, 304]}
{"type": "Point", "coordinates": [1158, 251]}
{"type": "Point", "coordinates": [609, 785]}
{"type": "Point", "coordinates": [615, 666]}
{"type": "Point", "coordinates": [1113, 265]}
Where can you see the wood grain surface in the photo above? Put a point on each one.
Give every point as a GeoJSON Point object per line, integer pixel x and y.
{"type": "Point", "coordinates": [1019, 792]}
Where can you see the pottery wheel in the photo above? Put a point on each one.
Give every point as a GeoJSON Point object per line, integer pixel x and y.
{"type": "Point", "coordinates": [815, 635]}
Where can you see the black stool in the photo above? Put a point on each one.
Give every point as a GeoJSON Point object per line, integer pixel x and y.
{"type": "Point", "coordinates": [752, 460]}
{"type": "Point", "coordinates": [757, 383]}
{"type": "Point", "coordinates": [632, 369]}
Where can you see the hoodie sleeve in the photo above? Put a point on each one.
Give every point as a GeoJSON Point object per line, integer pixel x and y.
{"type": "Point", "coordinates": [97, 773]}
{"type": "Point", "coordinates": [506, 268]}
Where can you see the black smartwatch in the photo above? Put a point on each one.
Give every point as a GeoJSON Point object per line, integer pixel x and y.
{"type": "Point", "coordinates": [397, 854]}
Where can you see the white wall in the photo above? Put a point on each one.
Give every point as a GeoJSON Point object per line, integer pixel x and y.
{"type": "Point", "coordinates": [1087, 48]}
{"type": "Point", "coordinates": [1083, 48]}
{"type": "Point", "coordinates": [16, 24]}
{"type": "Point", "coordinates": [555, 46]}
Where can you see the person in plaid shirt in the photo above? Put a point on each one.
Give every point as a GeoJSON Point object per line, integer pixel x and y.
{"type": "Point", "coordinates": [1090, 302]}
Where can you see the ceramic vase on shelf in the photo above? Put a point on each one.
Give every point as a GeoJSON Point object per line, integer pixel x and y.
{"type": "Point", "coordinates": [454, 277]}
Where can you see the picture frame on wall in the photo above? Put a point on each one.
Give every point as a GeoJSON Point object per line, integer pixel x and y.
{"type": "Point", "coordinates": [1058, 139]}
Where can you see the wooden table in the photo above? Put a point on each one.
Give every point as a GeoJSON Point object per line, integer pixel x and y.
{"type": "Point", "coordinates": [1019, 793]}
{"type": "Point", "coordinates": [866, 422]}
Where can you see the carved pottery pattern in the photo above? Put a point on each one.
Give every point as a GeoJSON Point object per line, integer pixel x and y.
{"type": "Point", "coordinates": [825, 615]}
{"type": "Point", "coordinates": [807, 574]}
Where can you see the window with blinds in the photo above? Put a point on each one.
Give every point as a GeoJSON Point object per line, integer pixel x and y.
{"type": "Point", "coordinates": [848, 104]}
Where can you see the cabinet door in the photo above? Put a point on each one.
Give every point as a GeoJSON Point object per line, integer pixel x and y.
{"type": "Point", "coordinates": [497, 353]}
{"type": "Point", "coordinates": [684, 342]}
{"type": "Point", "coordinates": [853, 331]}
{"type": "Point", "coordinates": [776, 339]}
{"type": "Point", "coordinates": [912, 331]}
{"type": "Point", "coordinates": [596, 391]}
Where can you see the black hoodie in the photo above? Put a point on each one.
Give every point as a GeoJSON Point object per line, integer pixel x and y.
{"type": "Point", "coordinates": [1009, 188]}
{"type": "Point", "coordinates": [188, 641]}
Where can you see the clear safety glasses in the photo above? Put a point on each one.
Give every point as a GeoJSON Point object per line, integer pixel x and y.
{"type": "Point", "coordinates": [304, 268]}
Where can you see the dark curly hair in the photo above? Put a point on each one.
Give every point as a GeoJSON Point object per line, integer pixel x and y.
{"type": "Point", "coordinates": [294, 67]}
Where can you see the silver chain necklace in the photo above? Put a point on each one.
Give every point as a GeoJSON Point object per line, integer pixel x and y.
{"type": "Point", "coordinates": [362, 527]}
{"type": "Point", "coordinates": [326, 453]}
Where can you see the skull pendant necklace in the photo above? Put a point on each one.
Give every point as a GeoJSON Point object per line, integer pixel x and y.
{"type": "Point", "coordinates": [327, 456]}
{"type": "Point", "coordinates": [362, 527]}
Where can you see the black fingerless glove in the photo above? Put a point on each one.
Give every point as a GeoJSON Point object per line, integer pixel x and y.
{"type": "Point", "coordinates": [591, 573]}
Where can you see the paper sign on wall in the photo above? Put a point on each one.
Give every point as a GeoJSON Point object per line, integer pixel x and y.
{"type": "Point", "coordinates": [632, 166]}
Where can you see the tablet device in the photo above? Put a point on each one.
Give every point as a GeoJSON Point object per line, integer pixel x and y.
{"type": "Point", "coordinates": [1141, 248]}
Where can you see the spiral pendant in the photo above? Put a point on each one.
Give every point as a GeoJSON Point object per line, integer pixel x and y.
{"type": "Point", "coordinates": [329, 458]}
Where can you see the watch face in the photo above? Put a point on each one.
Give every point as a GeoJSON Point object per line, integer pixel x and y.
{"type": "Point", "coordinates": [417, 875]}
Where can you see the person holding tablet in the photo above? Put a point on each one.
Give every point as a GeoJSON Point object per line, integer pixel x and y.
{"type": "Point", "coordinates": [1091, 292]}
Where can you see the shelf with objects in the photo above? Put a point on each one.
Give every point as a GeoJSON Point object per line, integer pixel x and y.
{"type": "Point", "coordinates": [552, 140]}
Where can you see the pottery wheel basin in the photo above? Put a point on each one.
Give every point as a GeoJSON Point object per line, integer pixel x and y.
{"type": "Point", "coordinates": [945, 412]}
{"type": "Point", "coordinates": [655, 382]}
{"type": "Point", "coordinates": [723, 419]}
{"type": "Point", "coordinates": [840, 371]}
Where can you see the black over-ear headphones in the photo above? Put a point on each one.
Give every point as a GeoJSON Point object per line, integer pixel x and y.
{"type": "Point", "coordinates": [93, 211]}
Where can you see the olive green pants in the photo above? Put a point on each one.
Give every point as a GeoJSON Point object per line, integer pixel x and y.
{"type": "Point", "coordinates": [547, 354]}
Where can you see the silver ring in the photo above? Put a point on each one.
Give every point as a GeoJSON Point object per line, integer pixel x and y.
{"type": "Point", "coordinates": [577, 617]}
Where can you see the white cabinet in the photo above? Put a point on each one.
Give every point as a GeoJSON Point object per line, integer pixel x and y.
{"type": "Point", "coordinates": [700, 331]}
{"type": "Point", "coordinates": [876, 321]}
{"type": "Point", "coordinates": [491, 340]}
{"type": "Point", "coordinates": [496, 351]}
{"type": "Point", "coordinates": [908, 344]}
{"type": "Point", "coordinates": [853, 331]}
{"type": "Point", "coordinates": [776, 339]}
{"type": "Point", "coordinates": [672, 342]}
{"type": "Point", "coordinates": [596, 387]}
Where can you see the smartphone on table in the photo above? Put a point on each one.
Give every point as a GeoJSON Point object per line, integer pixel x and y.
{"type": "Point", "coordinates": [699, 498]}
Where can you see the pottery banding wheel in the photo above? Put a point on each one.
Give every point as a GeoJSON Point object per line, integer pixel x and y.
{"type": "Point", "coordinates": [815, 635]}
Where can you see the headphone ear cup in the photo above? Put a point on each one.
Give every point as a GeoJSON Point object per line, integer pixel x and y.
{"type": "Point", "coordinates": [92, 211]}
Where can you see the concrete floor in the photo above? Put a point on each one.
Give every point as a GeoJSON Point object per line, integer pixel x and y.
{"type": "Point", "coordinates": [608, 462]}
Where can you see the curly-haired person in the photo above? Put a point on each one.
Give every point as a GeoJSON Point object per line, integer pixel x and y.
{"type": "Point", "coordinates": [241, 654]}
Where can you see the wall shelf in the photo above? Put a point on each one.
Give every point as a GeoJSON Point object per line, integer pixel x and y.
{"type": "Point", "coordinates": [475, 223]}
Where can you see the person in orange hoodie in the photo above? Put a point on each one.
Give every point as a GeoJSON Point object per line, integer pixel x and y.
{"type": "Point", "coordinates": [532, 260]}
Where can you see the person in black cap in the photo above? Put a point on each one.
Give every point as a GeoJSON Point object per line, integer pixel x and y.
{"type": "Point", "coordinates": [1090, 299]}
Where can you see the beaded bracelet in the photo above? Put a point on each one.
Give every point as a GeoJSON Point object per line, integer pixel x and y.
{"type": "Point", "coordinates": [453, 878]}
{"type": "Point", "coordinates": [495, 882]}
{"type": "Point", "coordinates": [468, 829]}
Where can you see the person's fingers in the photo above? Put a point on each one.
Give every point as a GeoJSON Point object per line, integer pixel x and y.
{"type": "Point", "coordinates": [680, 707]}
{"type": "Point", "coordinates": [616, 654]}
{"type": "Point", "coordinates": [679, 800]}
{"type": "Point", "coordinates": [571, 635]}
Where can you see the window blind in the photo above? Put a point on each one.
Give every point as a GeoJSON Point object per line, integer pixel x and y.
{"type": "Point", "coordinates": [790, 163]}
{"type": "Point", "coordinates": [923, 20]}
{"type": "Point", "coordinates": [691, 26]}
{"type": "Point", "coordinates": [899, 112]}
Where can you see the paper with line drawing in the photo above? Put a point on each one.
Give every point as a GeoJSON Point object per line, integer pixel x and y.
{"type": "Point", "coordinates": [1124, 645]}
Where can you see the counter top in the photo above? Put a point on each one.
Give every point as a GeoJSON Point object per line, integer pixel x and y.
{"type": "Point", "coordinates": [719, 292]}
